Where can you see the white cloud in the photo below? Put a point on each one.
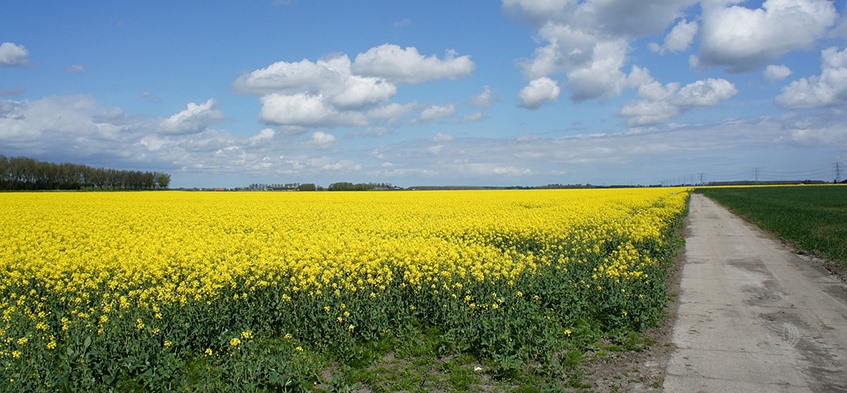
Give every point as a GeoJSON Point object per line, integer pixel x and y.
{"type": "Point", "coordinates": [744, 39]}
{"type": "Point", "coordinates": [408, 66]}
{"type": "Point", "coordinates": [321, 139]}
{"type": "Point", "coordinates": [75, 128]}
{"type": "Point", "coordinates": [602, 77]}
{"type": "Point", "coordinates": [648, 112]}
{"type": "Point", "coordinates": [75, 69]}
{"type": "Point", "coordinates": [440, 137]}
{"type": "Point", "coordinates": [435, 112]}
{"type": "Point", "coordinates": [539, 91]}
{"type": "Point", "coordinates": [330, 77]}
{"type": "Point", "coordinates": [629, 18]}
{"type": "Point", "coordinates": [285, 77]}
{"type": "Point", "coordinates": [305, 110]}
{"type": "Point", "coordinates": [775, 73]}
{"type": "Point", "coordinates": [360, 92]}
{"type": "Point", "coordinates": [11, 109]}
{"type": "Point", "coordinates": [473, 117]}
{"type": "Point", "coordinates": [679, 38]}
{"type": "Point", "coordinates": [589, 40]}
{"type": "Point", "coordinates": [391, 112]}
{"type": "Point", "coordinates": [539, 12]}
{"type": "Point", "coordinates": [484, 99]}
{"type": "Point", "coordinates": [705, 92]}
{"type": "Point", "coordinates": [193, 119]}
{"type": "Point", "coordinates": [659, 103]}
{"type": "Point", "coordinates": [12, 54]}
{"type": "Point", "coordinates": [264, 135]}
{"type": "Point", "coordinates": [827, 89]}
{"type": "Point", "coordinates": [333, 92]}
{"type": "Point", "coordinates": [67, 127]}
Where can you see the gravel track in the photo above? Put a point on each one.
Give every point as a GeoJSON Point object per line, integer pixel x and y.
{"type": "Point", "coordinates": [753, 316]}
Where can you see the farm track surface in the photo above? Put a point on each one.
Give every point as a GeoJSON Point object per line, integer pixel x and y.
{"type": "Point", "coordinates": [753, 316]}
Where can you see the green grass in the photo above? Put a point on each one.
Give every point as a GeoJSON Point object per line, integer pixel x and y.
{"type": "Point", "coordinates": [812, 218]}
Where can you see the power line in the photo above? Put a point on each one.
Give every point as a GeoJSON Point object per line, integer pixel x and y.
{"type": "Point", "coordinates": [759, 175]}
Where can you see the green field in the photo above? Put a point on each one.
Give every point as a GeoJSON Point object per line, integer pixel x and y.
{"type": "Point", "coordinates": [812, 218]}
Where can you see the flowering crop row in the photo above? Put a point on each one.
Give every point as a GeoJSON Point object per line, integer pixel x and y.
{"type": "Point", "coordinates": [99, 288]}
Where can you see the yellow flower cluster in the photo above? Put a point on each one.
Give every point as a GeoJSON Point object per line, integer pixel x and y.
{"type": "Point", "coordinates": [105, 254]}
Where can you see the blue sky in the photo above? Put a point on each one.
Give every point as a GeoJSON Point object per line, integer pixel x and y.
{"type": "Point", "coordinates": [516, 92]}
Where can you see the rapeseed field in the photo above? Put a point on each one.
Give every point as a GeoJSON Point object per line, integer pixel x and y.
{"type": "Point", "coordinates": [133, 291]}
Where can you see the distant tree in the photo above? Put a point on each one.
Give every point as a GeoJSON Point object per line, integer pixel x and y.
{"type": "Point", "coordinates": [341, 186]}
{"type": "Point", "coordinates": [22, 173]}
{"type": "Point", "coordinates": [163, 180]}
{"type": "Point", "coordinates": [307, 187]}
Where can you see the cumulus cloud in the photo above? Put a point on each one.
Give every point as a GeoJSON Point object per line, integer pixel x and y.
{"type": "Point", "coordinates": [11, 109]}
{"type": "Point", "coordinates": [484, 99]}
{"type": "Point", "coordinates": [775, 73]}
{"type": "Point", "coordinates": [75, 128]}
{"type": "Point", "coordinates": [602, 77]}
{"type": "Point", "coordinates": [67, 127]}
{"type": "Point", "coordinates": [630, 18]}
{"type": "Point", "coordinates": [330, 77]}
{"type": "Point", "coordinates": [539, 91]}
{"type": "Point", "coordinates": [193, 119]}
{"type": "Point", "coordinates": [305, 110]}
{"type": "Point", "coordinates": [264, 135]}
{"type": "Point", "coordinates": [827, 89]}
{"type": "Point", "coordinates": [321, 139]}
{"type": "Point", "coordinates": [401, 65]}
{"type": "Point", "coordinates": [679, 38]}
{"type": "Point", "coordinates": [436, 112]}
{"type": "Point", "coordinates": [588, 41]}
{"type": "Point", "coordinates": [705, 92]}
{"type": "Point", "coordinates": [335, 92]}
{"type": "Point", "coordinates": [647, 112]}
{"type": "Point", "coordinates": [538, 12]}
{"type": "Point", "coordinates": [391, 112]}
{"type": "Point", "coordinates": [12, 54]}
{"type": "Point", "coordinates": [744, 39]}
{"type": "Point", "coordinates": [659, 103]}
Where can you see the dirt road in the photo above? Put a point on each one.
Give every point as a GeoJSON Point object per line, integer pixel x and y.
{"type": "Point", "coordinates": [753, 316]}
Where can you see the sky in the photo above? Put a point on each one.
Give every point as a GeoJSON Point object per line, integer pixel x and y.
{"type": "Point", "coordinates": [458, 92]}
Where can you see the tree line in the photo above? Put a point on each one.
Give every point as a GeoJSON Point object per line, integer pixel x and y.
{"type": "Point", "coordinates": [347, 186]}
{"type": "Point", "coordinates": [23, 173]}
